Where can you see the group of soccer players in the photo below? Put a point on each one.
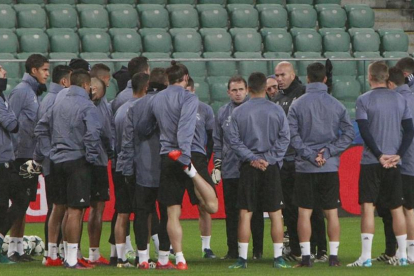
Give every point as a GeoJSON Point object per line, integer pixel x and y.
{"type": "Point", "coordinates": [275, 146]}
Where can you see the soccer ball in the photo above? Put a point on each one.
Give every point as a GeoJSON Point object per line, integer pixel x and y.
{"type": "Point", "coordinates": [131, 255]}
{"type": "Point", "coordinates": [39, 247]}
{"type": "Point", "coordinates": [27, 245]}
{"type": "Point", "coordinates": [152, 265]}
{"type": "Point", "coordinates": [5, 246]}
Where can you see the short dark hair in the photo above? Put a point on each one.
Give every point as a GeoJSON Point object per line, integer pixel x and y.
{"type": "Point", "coordinates": [138, 65]}
{"type": "Point", "coordinates": [236, 78]}
{"type": "Point", "coordinates": [79, 63]}
{"type": "Point", "coordinates": [80, 77]}
{"type": "Point", "coordinates": [406, 65]}
{"type": "Point", "coordinates": [35, 61]}
{"type": "Point", "coordinates": [257, 82]}
{"type": "Point", "coordinates": [396, 76]}
{"type": "Point", "coordinates": [176, 72]}
{"type": "Point", "coordinates": [99, 69]}
{"type": "Point", "coordinates": [158, 75]}
{"type": "Point", "coordinates": [190, 83]}
{"type": "Point", "coordinates": [60, 72]}
{"type": "Point", "coordinates": [316, 72]}
{"type": "Point", "coordinates": [139, 81]}
{"type": "Point", "coordinates": [378, 71]}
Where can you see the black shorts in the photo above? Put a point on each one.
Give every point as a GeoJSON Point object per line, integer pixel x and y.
{"type": "Point", "coordinates": [317, 189]}
{"type": "Point", "coordinates": [258, 190]}
{"type": "Point", "coordinates": [145, 199]}
{"type": "Point", "coordinates": [124, 194]}
{"type": "Point", "coordinates": [52, 189]}
{"type": "Point", "coordinates": [100, 184]}
{"type": "Point", "coordinates": [9, 177]}
{"type": "Point", "coordinates": [74, 178]}
{"type": "Point", "coordinates": [380, 186]}
{"type": "Point", "coordinates": [172, 182]}
{"type": "Point", "coordinates": [199, 161]}
{"type": "Point", "coordinates": [408, 191]}
{"type": "Point", "coordinates": [29, 184]}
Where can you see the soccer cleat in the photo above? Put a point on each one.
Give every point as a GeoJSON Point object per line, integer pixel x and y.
{"type": "Point", "coordinates": [208, 254]}
{"type": "Point", "coordinates": [27, 258]}
{"type": "Point", "coordinates": [333, 261]}
{"type": "Point", "coordinates": [279, 262]}
{"type": "Point", "coordinates": [123, 264]}
{"type": "Point", "coordinates": [169, 265]}
{"type": "Point", "coordinates": [241, 263]}
{"type": "Point", "coordinates": [305, 262]}
{"type": "Point", "coordinates": [85, 263]}
{"type": "Point", "coordinates": [383, 258]}
{"type": "Point", "coordinates": [182, 266]}
{"type": "Point", "coordinates": [402, 262]}
{"type": "Point", "coordinates": [51, 262]}
{"type": "Point", "coordinates": [321, 259]}
{"type": "Point", "coordinates": [16, 258]}
{"type": "Point", "coordinates": [101, 261]}
{"type": "Point", "coordinates": [144, 265]}
{"type": "Point", "coordinates": [393, 261]}
{"type": "Point", "coordinates": [286, 237]}
{"type": "Point", "coordinates": [359, 262]}
{"type": "Point", "coordinates": [76, 266]}
{"type": "Point", "coordinates": [5, 260]}
{"type": "Point", "coordinates": [292, 258]}
{"type": "Point", "coordinates": [257, 256]}
{"type": "Point", "coordinates": [113, 261]}
{"type": "Point", "coordinates": [229, 257]}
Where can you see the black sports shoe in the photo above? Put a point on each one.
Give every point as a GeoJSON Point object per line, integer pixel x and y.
{"type": "Point", "coordinates": [208, 254]}
{"type": "Point", "coordinates": [306, 262]}
{"type": "Point", "coordinates": [113, 261]}
{"type": "Point", "coordinates": [17, 258]}
{"type": "Point", "coordinates": [229, 257]}
{"type": "Point", "coordinates": [257, 256]}
{"type": "Point", "coordinates": [333, 261]}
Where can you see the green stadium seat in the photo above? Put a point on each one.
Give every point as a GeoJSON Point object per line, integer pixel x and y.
{"type": "Point", "coordinates": [155, 17]}
{"type": "Point", "coordinates": [93, 17]}
{"type": "Point", "coordinates": [93, 2]}
{"type": "Point", "coordinates": [248, 2]}
{"type": "Point", "coordinates": [363, 81]}
{"type": "Point", "coordinates": [7, 2]}
{"type": "Point", "coordinates": [246, 40]}
{"type": "Point", "coordinates": [187, 41]}
{"type": "Point", "coordinates": [346, 88]}
{"type": "Point", "coordinates": [396, 55]}
{"type": "Point", "coordinates": [202, 91]}
{"type": "Point", "coordinates": [184, 18]}
{"type": "Point", "coordinates": [244, 18]}
{"type": "Point", "coordinates": [177, 7]}
{"type": "Point", "coordinates": [129, 2]}
{"type": "Point", "coordinates": [331, 16]}
{"type": "Point", "coordinates": [280, 57]}
{"type": "Point", "coordinates": [342, 68]}
{"type": "Point", "coordinates": [279, 2]}
{"type": "Point", "coordinates": [30, 2]}
{"type": "Point", "coordinates": [97, 57]}
{"type": "Point", "coordinates": [11, 83]}
{"type": "Point", "coordinates": [213, 17]}
{"type": "Point", "coordinates": [384, 31]}
{"type": "Point", "coordinates": [232, 7]}
{"type": "Point", "coordinates": [157, 42]}
{"type": "Point", "coordinates": [218, 89]}
{"type": "Point", "coordinates": [189, 2]}
{"type": "Point", "coordinates": [12, 68]}
{"type": "Point", "coordinates": [245, 68]}
{"type": "Point", "coordinates": [363, 65]}
{"type": "Point", "coordinates": [196, 68]}
{"type": "Point", "coordinates": [62, 16]}
{"type": "Point", "coordinates": [302, 16]}
{"type": "Point", "coordinates": [119, 64]}
{"type": "Point", "coordinates": [337, 2]}
{"type": "Point", "coordinates": [366, 42]}
{"type": "Point", "coordinates": [63, 40]}
{"type": "Point", "coordinates": [122, 16]}
{"type": "Point", "coordinates": [216, 106]}
{"type": "Point", "coordinates": [158, 2]}
{"type": "Point", "coordinates": [154, 64]}
{"type": "Point", "coordinates": [33, 40]}
{"type": "Point", "coordinates": [33, 16]}
{"type": "Point", "coordinates": [126, 40]}
{"type": "Point", "coordinates": [360, 16]}
{"type": "Point", "coordinates": [278, 40]}
{"type": "Point", "coordinates": [95, 40]}
{"type": "Point", "coordinates": [303, 64]}
{"type": "Point", "coordinates": [217, 42]}
{"type": "Point", "coordinates": [300, 2]}
{"type": "Point", "coordinates": [307, 40]}
{"type": "Point", "coordinates": [67, 56]}
{"type": "Point", "coordinates": [354, 31]}
{"type": "Point", "coordinates": [220, 2]}
{"type": "Point", "coordinates": [336, 41]}
{"type": "Point", "coordinates": [8, 41]}
{"type": "Point", "coordinates": [220, 68]}
{"type": "Point", "coordinates": [273, 16]}
{"type": "Point", "coordinates": [395, 42]}
{"type": "Point", "coordinates": [350, 107]}
{"type": "Point", "coordinates": [8, 17]}
{"type": "Point", "coordinates": [111, 90]}
{"type": "Point", "coordinates": [69, 2]}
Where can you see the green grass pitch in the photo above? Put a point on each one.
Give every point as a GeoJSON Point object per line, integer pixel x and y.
{"type": "Point", "coordinates": [349, 251]}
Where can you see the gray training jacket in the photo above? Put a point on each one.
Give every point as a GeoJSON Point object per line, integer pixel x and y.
{"type": "Point", "coordinates": [74, 128]}
{"type": "Point", "coordinates": [259, 130]}
{"type": "Point", "coordinates": [25, 105]}
{"type": "Point", "coordinates": [317, 120]}
{"type": "Point", "coordinates": [105, 116]}
{"type": "Point", "coordinates": [8, 122]}
{"type": "Point", "coordinates": [122, 97]}
{"type": "Point", "coordinates": [205, 122]}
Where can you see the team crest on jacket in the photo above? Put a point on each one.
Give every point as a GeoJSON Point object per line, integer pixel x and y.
{"type": "Point", "coordinates": [35, 98]}
{"type": "Point", "coordinates": [227, 122]}
{"type": "Point", "coordinates": [198, 116]}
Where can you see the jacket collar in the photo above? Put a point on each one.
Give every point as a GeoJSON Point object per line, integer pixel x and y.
{"type": "Point", "coordinates": [31, 81]}
{"type": "Point", "coordinates": [295, 84]}
{"type": "Point", "coordinates": [403, 89]}
{"type": "Point", "coordinates": [236, 105]}
{"type": "Point", "coordinates": [316, 87]}
{"type": "Point", "coordinates": [55, 88]}
{"type": "Point", "coordinates": [79, 91]}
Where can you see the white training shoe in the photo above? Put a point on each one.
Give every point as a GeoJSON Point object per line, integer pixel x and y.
{"type": "Point", "coordinates": [359, 262]}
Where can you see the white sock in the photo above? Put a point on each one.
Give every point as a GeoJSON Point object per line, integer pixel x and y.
{"type": "Point", "coordinates": [20, 246]}
{"type": "Point", "coordinates": [366, 240]}
{"type": "Point", "coordinates": [53, 250]}
{"type": "Point", "coordinates": [143, 256]}
{"type": "Point", "coordinates": [410, 250]}
{"type": "Point", "coordinates": [61, 250]}
{"type": "Point", "coordinates": [179, 258]}
{"type": "Point", "coordinates": [65, 250]}
{"type": "Point", "coordinates": [243, 248]}
{"type": "Point", "coordinates": [333, 248]}
{"type": "Point", "coordinates": [163, 257]}
{"type": "Point", "coordinates": [156, 243]}
{"type": "Point", "coordinates": [94, 254]}
{"type": "Point", "coordinates": [12, 246]}
{"type": "Point", "coordinates": [305, 248]}
{"type": "Point", "coordinates": [402, 246]}
{"type": "Point", "coordinates": [72, 256]}
{"type": "Point", "coordinates": [120, 251]}
{"type": "Point", "coordinates": [277, 250]}
{"type": "Point", "coordinates": [191, 172]}
{"type": "Point", "coordinates": [46, 254]}
{"type": "Point", "coordinates": [128, 244]}
{"type": "Point", "coordinates": [205, 242]}
{"type": "Point", "coordinates": [113, 251]}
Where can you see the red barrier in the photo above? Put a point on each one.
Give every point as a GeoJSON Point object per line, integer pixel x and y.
{"type": "Point", "coordinates": [348, 174]}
